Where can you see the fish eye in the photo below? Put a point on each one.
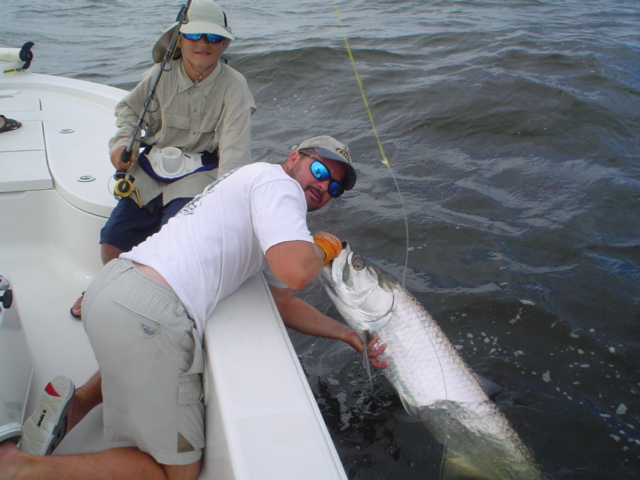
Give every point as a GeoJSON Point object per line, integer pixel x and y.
{"type": "Point", "coordinates": [357, 263]}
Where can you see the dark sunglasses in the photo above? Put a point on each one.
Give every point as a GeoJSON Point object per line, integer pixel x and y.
{"type": "Point", "coordinates": [321, 172]}
{"type": "Point", "coordinates": [211, 38]}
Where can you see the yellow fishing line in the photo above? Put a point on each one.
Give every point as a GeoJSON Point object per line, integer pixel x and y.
{"type": "Point", "coordinates": [364, 97]}
{"type": "Point", "coordinates": [385, 161]}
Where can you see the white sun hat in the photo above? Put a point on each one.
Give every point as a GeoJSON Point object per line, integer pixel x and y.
{"type": "Point", "coordinates": [203, 16]}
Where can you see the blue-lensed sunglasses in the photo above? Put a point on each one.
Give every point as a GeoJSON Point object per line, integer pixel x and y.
{"type": "Point", "coordinates": [321, 172]}
{"type": "Point", "coordinates": [211, 38]}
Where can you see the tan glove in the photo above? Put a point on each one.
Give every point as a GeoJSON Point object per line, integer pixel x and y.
{"type": "Point", "coordinates": [329, 244]}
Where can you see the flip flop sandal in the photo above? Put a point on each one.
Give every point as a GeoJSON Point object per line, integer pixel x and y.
{"type": "Point", "coordinates": [9, 124]}
{"type": "Point", "coordinates": [71, 309]}
{"type": "Point", "coordinates": [43, 431]}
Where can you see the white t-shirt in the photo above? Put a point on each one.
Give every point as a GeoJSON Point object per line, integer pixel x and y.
{"type": "Point", "coordinates": [218, 240]}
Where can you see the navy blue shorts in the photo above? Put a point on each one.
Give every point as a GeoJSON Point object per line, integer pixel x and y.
{"type": "Point", "coordinates": [130, 225]}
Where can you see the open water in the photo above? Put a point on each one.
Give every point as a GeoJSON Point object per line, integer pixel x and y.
{"type": "Point", "coordinates": [513, 129]}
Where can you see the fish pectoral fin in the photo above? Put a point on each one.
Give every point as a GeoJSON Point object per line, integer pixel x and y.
{"type": "Point", "coordinates": [366, 363]}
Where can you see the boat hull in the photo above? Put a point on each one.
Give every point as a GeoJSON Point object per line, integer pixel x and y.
{"type": "Point", "coordinates": [262, 419]}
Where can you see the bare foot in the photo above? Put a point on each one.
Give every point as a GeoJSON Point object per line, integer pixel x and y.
{"type": "Point", "coordinates": [76, 309]}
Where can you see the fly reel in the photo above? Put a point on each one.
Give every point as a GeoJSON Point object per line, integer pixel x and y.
{"type": "Point", "coordinates": [124, 186]}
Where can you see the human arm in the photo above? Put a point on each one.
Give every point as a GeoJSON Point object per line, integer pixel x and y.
{"type": "Point", "coordinates": [297, 262]}
{"type": "Point", "coordinates": [127, 114]}
{"type": "Point", "coordinates": [299, 315]}
{"type": "Point", "coordinates": [126, 120]}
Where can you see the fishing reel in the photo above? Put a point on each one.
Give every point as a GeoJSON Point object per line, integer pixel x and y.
{"type": "Point", "coordinates": [124, 186]}
{"type": "Point", "coordinates": [124, 181]}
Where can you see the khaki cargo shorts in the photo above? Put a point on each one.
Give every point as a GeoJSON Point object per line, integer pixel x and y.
{"type": "Point", "coordinates": [151, 360]}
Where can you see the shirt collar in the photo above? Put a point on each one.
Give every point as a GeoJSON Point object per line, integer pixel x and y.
{"type": "Point", "coordinates": [185, 83]}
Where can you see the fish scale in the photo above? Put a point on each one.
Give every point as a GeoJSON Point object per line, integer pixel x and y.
{"type": "Point", "coordinates": [426, 353]}
{"type": "Point", "coordinates": [432, 380]}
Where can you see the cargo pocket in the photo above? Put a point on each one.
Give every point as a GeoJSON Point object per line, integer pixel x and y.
{"type": "Point", "coordinates": [190, 389]}
{"type": "Point", "coordinates": [175, 127]}
{"type": "Point", "coordinates": [190, 396]}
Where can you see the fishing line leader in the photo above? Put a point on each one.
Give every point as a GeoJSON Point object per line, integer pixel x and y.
{"type": "Point", "coordinates": [385, 160]}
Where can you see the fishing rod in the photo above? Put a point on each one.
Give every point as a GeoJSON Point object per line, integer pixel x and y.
{"type": "Point", "coordinates": [124, 181]}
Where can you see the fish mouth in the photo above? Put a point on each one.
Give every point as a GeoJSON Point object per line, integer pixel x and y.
{"type": "Point", "coordinates": [333, 272]}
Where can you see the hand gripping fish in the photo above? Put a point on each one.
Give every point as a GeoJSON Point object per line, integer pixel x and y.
{"type": "Point", "coordinates": [432, 380]}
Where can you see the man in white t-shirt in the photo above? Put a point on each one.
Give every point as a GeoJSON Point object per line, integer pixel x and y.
{"type": "Point", "coordinates": [145, 314]}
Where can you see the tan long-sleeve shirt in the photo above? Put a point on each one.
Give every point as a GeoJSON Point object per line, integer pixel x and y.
{"type": "Point", "coordinates": [211, 115]}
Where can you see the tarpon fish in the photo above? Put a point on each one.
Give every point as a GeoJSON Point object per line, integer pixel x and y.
{"type": "Point", "coordinates": [432, 380]}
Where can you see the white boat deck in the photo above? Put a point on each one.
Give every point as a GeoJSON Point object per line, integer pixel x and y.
{"type": "Point", "coordinates": [262, 419]}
